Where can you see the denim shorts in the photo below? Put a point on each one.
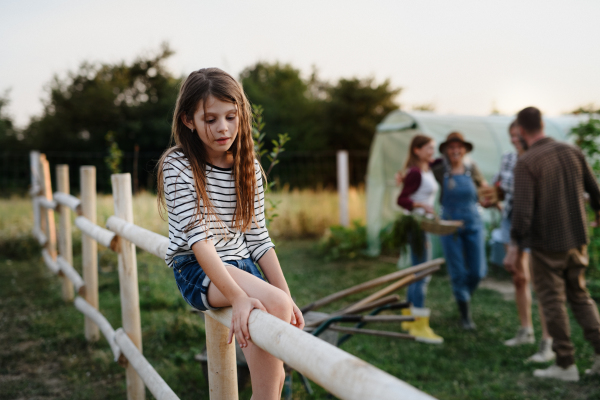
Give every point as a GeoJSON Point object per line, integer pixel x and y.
{"type": "Point", "coordinates": [193, 282]}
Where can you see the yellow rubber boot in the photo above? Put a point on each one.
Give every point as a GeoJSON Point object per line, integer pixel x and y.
{"type": "Point", "coordinates": [420, 328]}
{"type": "Point", "coordinates": [406, 325]}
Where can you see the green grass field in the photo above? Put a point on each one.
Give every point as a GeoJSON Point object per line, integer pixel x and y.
{"type": "Point", "coordinates": [44, 353]}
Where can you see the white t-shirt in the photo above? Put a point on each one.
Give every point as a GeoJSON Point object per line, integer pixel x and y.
{"type": "Point", "coordinates": [426, 192]}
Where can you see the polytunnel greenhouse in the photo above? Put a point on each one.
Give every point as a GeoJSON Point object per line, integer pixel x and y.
{"type": "Point", "coordinates": [489, 135]}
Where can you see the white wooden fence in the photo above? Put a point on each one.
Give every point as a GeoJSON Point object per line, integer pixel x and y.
{"type": "Point", "coordinates": [342, 374]}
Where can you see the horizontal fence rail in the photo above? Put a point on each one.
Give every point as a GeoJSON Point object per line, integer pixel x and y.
{"type": "Point", "coordinates": [342, 374]}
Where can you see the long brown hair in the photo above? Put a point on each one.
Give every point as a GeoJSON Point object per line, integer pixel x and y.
{"type": "Point", "coordinates": [417, 142]}
{"type": "Point", "coordinates": [196, 89]}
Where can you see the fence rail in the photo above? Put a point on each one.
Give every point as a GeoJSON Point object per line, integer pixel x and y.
{"type": "Point", "coordinates": [337, 371]}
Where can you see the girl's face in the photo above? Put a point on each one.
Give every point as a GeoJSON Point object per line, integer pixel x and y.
{"type": "Point", "coordinates": [455, 152]}
{"type": "Point", "coordinates": [216, 122]}
{"type": "Point", "coordinates": [515, 139]}
{"type": "Point", "coordinates": [426, 152]}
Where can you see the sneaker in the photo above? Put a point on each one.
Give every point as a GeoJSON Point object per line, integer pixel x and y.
{"type": "Point", "coordinates": [556, 372]}
{"type": "Point", "coordinates": [595, 370]}
{"type": "Point", "coordinates": [524, 336]}
{"type": "Point", "coordinates": [544, 353]}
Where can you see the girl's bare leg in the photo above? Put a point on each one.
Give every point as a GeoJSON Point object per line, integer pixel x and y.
{"type": "Point", "coordinates": [266, 371]}
{"type": "Point", "coordinates": [521, 280]}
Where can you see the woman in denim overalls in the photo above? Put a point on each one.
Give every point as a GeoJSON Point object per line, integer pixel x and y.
{"type": "Point", "coordinates": [464, 250]}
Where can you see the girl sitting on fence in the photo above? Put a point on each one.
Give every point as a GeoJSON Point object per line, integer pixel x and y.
{"type": "Point", "coordinates": [212, 187]}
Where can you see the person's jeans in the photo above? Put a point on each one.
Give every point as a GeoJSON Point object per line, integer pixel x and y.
{"type": "Point", "coordinates": [559, 277]}
{"type": "Point", "coordinates": [417, 291]}
{"type": "Point", "coordinates": [465, 259]}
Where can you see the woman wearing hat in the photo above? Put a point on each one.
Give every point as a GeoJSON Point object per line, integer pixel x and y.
{"type": "Point", "coordinates": [464, 250]}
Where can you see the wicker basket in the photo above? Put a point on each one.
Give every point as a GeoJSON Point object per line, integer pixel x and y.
{"type": "Point", "coordinates": [439, 226]}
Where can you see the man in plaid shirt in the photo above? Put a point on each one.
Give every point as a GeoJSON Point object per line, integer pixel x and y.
{"type": "Point", "coordinates": [549, 216]}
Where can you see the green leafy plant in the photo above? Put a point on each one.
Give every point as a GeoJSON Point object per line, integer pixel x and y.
{"type": "Point", "coordinates": [398, 235]}
{"type": "Point", "coordinates": [259, 146]}
{"type": "Point", "coordinates": [341, 242]}
{"type": "Point", "coordinates": [115, 154]}
{"type": "Point", "coordinates": [587, 137]}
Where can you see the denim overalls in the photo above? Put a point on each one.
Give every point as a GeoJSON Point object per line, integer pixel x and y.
{"type": "Point", "coordinates": [464, 250]}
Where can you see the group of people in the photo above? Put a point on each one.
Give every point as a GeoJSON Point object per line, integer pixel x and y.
{"type": "Point", "coordinates": [212, 188]}
{"type": "Point", "coordinates": [544, 226]}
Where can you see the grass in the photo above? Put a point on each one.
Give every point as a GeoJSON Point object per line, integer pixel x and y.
{"type": "Point", "coordinates": [44, 353]}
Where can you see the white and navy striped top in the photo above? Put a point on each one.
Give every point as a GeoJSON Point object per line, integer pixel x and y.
{"type": "Point", "coordinates": [181, 199]}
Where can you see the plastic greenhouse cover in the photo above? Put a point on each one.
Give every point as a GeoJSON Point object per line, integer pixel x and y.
{"type": "Point", "coordinates": [488, 134]}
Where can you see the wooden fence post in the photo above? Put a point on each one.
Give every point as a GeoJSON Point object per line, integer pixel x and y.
{"type": "Point", "coordinates": [34, 162]}
{"type": "Point", "coordinates": [89, 247]}
{"type": "Point", "coordinates": [65, 240]}
{"type": "Point", "coordinates": [47, 219]}
{"type": "Point", "coordinates": [128, 281]}
{"type": "Point", "coordinates": [342, 186]}
{"type": "Point", "coordinates": [222, 367]}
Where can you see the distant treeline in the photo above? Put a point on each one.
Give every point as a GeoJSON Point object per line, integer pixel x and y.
{"type": "Point", "coordinates": [134, 102]}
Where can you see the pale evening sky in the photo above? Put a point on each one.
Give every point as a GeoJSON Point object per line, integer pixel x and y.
{"type": "Point", "coordinates": [465, 57]}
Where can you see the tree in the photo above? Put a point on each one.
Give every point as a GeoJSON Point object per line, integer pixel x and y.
{"type": "Point", "coordinates": [134, 101]}
{"type": "Point", "coordinates": [354, 108]}
{"type": "Point", "coordinates": [10, 138]}
{"type": "Point", "coordinates": [290, 103]}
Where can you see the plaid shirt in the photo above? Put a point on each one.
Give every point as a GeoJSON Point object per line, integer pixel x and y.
{"type": "Point", "coordinates": [549, 205]}
{"type": "Point", "coordinates": [506, 180]}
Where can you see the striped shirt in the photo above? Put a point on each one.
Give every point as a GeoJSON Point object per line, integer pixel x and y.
{"type": "Point", "coordinates": [181, 199]}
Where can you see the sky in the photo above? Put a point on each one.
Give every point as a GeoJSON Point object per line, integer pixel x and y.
{"type": "Point", "coordinates": [461, 56]}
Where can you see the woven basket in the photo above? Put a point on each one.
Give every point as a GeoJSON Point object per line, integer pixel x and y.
{"type": "Point", "coordinates": [440, 226]}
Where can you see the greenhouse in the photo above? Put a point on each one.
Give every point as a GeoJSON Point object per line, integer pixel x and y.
{"type": "Point", "coordinates": [489, 135]}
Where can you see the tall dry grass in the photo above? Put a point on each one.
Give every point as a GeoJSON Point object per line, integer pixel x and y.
{"type": "Point", "coordinates": [301, 213]}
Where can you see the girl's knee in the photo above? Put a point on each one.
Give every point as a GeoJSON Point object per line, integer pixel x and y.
{"type": "Point", "coordinates": [279, 304]}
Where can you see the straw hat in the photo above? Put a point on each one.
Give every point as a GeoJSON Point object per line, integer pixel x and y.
{"type": "Point", "coordinates": [455, 137]}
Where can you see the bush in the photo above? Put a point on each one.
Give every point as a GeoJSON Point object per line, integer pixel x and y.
{"type": "Point", "coordinates": [341, 242]}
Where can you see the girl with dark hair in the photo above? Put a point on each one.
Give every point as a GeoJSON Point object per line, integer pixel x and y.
{"type": "Point", "coordinates": [418, 196]}
{"type": "Point", "coordinates": [211, 186]}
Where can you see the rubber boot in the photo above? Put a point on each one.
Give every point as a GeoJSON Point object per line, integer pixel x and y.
{"type": "Point", "coordinates": [465, 315]}
{"type": "Point", "coordinates": [420, 328]}
{"type": "Point", "coordinates": [405, 325]}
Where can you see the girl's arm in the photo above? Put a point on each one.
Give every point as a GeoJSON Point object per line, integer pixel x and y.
{"type": "Point", "coordinates": [241, 303]}
{"type": "Point", "coordinates": [412, 181]}
{"type": "Point", "coordinates": [269, 263]}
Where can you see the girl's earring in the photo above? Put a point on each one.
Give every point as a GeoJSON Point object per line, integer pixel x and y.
{"type": "Point", "coordinates": [192, 129]}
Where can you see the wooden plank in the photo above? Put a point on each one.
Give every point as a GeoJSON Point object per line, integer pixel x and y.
{"type": "Point", "coordinates": [371, 284]}
{"type": "Point", "coordinates": [65, 237]}
{"type": "Point", "coordinates": [157, 386]}
{"type": "Point", "coordinates": [340, 373]}
{"type": "Point", "coordinates": [100, 321]}
{"type": "Point", "coordinates": [69, 201]}
{"type": "Point", "coordinates": [50, 262]}
{"type": "Point", "coordinates": [151, 242]}
{"type": "Point", "coordinates": [103, 236]}
{"type": "Point", "coordinates": [73, 276]}
{"type": "Point", "coordinates": [89, 247]}
{"type": "Point", "coordinates": [222, 368]}
{"type": "Point", "coordinates": [361, 331]}
{"type": "Point", "coordinates": [47, 214]}
{"type": "Point", "coordinates": [128, 281]}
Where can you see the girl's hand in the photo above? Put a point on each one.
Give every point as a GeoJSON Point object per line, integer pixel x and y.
{"type": "Point", "coordinates": [297, 319]}
{"type": "Point", "coordinates": [428, 209]}
{"type": "Point", "coordinates": [241, 309]}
